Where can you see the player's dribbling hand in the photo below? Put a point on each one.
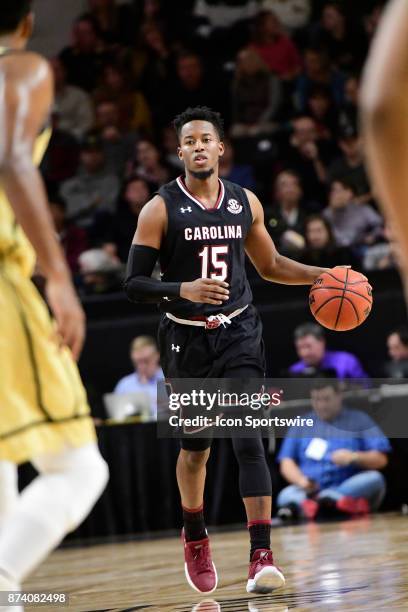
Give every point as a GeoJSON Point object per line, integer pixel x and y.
{"type": "Point", "coordinates": [68, 313]}
{"type": "Point", "coordinates": [205, 291]}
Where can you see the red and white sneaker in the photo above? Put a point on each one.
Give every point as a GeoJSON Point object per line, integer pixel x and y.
{"type": "Point", "coordinates": [310, 508]}
{"type": "Point", "coordinates": [263, 575]}
{"type": "Point", "coordinates": [199, 567]}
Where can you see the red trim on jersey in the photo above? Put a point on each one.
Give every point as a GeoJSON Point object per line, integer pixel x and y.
{"type": "Point", "coordinates": [221, 193]}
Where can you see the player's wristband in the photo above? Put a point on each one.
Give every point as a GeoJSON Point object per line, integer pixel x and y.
{"type": "Point", "coordinates": [138, 285]}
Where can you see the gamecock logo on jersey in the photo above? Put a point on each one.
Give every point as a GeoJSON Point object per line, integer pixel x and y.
{"type": "Point", "coordinates": [234, 207]}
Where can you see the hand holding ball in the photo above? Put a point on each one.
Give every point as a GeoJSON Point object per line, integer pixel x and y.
{"type": "Point", "coordinates": [341, 299]}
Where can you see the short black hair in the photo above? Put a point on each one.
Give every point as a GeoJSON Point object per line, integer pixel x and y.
{"type": "Point", "coordinates": [347, 182]}
{"type": "Point", "coordinates": [199, 113]}
{"type": "Point", "coordinates": [12, 12]}
{"type": "Point", "coordinates": [309, 329]}
{"type": "Point", "coordinates": [324, 380]}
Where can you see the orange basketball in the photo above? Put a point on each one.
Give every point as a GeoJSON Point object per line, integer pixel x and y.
{"type": "Point", "coordinates": [341, 299]}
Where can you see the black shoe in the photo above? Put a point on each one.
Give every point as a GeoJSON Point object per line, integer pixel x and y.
{"type": "Point", "coordinates": [288, 513]}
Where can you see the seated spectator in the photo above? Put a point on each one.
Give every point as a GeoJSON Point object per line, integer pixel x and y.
{"type": "Point", "coordinates": [61, 158]}
{"type": "Point", "coordinates": [310, 343]}
{"type": "Point", "coordinates": [351, 163]}
{"type": "Point", "coordinates": [241, 174]}
{"type": "Point", "coordinates": [308, 157]}
{"type": "Point", "coordinates": [118, 145]}
{"type": "Point", "coordinates": [115, 85]}
{"type": "Point", "coordinates": [256, 96]}
{"type": "Point", "coordinates": [293, 14]}
{"type": "Point", "coordinates": [334, 468]}
{"type": "Point", "coordinates": [275, 47]}
{"type": "Point", "coordinates": [116, 23]}
{"type": "Point", "coordinates": [72, 238]}
{"type": "Point", "coordinates": [85, 58]}
{"type": "Point", "coordinates": [353, 224]}
{"type": "Point", "coordinates": [321, 109]}
{"type": "Point", "coordinates": [382, 256]}
{"type": "Point", "coordinates": [344, 46]}
{"type": "Point", "coordinates": [348, 111]}
{"type": "Point", "coordinates": [148, 165]}
{"type": "Point", "coordinates": [285, 221]}
{"type": "Point", "coordinates": [101, 272]}
{"type": "Point", "coordinates": [321, 248]}
{"type": "Point", "coordinates": [121, 228]}
{"type": "Point", "coordinates": [318, 72]}
{"type": "Point", "coordinates": [93, 190]}
{"type": "Point", "coordinates": [72, 105]}
{"type": "Point", "coordinates": [397, 344]}
{"type": "Point", "coordinates": [145, 358]}
{"type": "Point", "coordinates": [170, 146]}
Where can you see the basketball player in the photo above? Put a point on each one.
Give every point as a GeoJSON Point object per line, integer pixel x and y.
{"type": "Point", "coordinates": [45, 416]}
{"type": "Point", "coordinates": [200, 227]}
{"type": "Point", "coordinates": [385, 120]}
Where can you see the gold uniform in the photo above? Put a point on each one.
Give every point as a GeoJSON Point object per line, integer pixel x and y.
{"type": "Point", "coordinates": [43, 403]}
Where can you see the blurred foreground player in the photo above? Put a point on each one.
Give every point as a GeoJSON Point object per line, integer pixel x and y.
{"type": "Point", "coordinates": [45, 415]}
{"type": "Point", "coordinates": [200, 227]}
{"type": "Point", "coordinates": [385, 120]}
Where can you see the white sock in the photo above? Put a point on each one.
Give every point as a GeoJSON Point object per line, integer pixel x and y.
{"type": "Point", "coordinates": [54, 504]}
{"type": "Point", "coordinates": [8, 489]}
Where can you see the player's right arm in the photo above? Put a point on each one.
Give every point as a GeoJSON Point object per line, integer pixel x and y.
{"type": "Point", "coordinates": [27, 98]}
{"type": "Point", "coordinates": [143, 255]}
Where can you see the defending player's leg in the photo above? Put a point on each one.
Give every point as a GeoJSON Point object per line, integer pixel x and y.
{"type": "Point", "coordinates": [200, 570]}
{"type": "Point", "coordinates": [54, 504]}
{"type": "Point", "coordinates": [8, 489]}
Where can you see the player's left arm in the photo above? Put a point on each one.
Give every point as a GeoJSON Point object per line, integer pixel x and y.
{"type": "Point", "coordinates": [262, 252]}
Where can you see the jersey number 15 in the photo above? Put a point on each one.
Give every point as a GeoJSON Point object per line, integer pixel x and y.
{"type": "Point", "coordinates": [213, 265]}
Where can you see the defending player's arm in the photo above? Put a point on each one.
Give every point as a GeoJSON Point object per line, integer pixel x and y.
{"type": "Point", "coordinates": [143, 255]}
{"type": "Point", "coordinates": [385, 117]}
{"type": "Point", "coordinates": [269, 264]}
{"type": "Point", "coordinates": [27, 103]}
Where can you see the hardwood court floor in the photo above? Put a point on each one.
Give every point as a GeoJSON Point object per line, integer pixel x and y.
{"type": "Point", "coordinates": [355, 565]}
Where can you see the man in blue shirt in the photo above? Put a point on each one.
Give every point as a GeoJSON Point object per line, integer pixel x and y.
{"type": "Point", "coordinates": [335, 468]}
{"type": "Point", "coordinates": [311, 349]}
{"type": "Point", "coordinates": [145, 358]}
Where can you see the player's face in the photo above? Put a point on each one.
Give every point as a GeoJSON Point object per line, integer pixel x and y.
{"type": "Point", "coordinates": [200, 148]}
{"type": "Point", "coordinates": [310, 350]}
{"type": "Point", "coordinates": [326, 403]}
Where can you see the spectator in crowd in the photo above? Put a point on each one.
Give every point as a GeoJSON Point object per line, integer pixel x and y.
{"type": "Point", "coordinates": [148, 165]}
{"type": "Point", "coordinates": [116, 85]}
{"type": "Point", "coordinates": [193, 88]}
{"type": "Point", "coordinates": [321, 248]}
{"type": "Point", "coordinates": [286, 220]}
{"type": "Point", "coordinates": [318, 71]}
{"type": "Point", "coordinates": [72, 238]}
{"type": "Point", "coordinates": [86, 57]}
{"type": "Point", "coordinates": [170, 146]}
{"type": "Point", "coordinates": [310, 343]}
{"type": "Point", "coordinates": [293, 14]}
{"type": "Point", "coordinates": [121, 228]}
{"type": "Point", "coordinates": [344, 47]}
{"type": "Point", "coordinates": [118, 144]}
{"type": "Point", "coordinates": [100, 271]}
{"type": "Point", "coordinates": [256, 96]}
{"type": "Point", "coordinates": [348, 110]}
{"type": "Point", "coordinates": [307, 156]}
{"type": "Point", "coordinates": [353, 224]}
{"type": "Point", "coordinates": [242, 174]}
{"type": "Point", "coordinates": [92, 191]}
{"type": "Point", "coordinates": [397, 345]}
{"type": "Point", "coordinates": [382, 256]}
{"type": "Point", "coordinates": [145, 358]}
{"type": "Point", "coordinates": [275, 47]}
{"type": "Point", "coordinates": [61, 158]}
{"type": "Point", "coordinates": [351, 163]}
{"type": "Point", "coordinates": [333, 468]}
{"type": "Point", "coordinates": [73, 106]}
{"type": "Point", "coordinates": [116, 23]}
{"type": "Point", "coordinates": [321, 109]}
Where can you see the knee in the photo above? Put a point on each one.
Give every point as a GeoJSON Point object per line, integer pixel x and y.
{"type": "Point", "coordinates": [375, 478]}
{"type": "Point", "coordinates": [194, 460]}
{"type": "Point", "coordinates": [249, 450]}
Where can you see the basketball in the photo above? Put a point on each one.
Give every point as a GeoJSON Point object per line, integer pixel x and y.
{"type": "Point", "coordinates": [341, 299]}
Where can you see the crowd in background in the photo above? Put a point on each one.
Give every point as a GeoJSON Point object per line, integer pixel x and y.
{"type": "Point", "coordinates": [284, 77]}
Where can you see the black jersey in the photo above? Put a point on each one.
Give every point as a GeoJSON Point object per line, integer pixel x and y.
{"type": "Point", "coordinates": [205, 243]}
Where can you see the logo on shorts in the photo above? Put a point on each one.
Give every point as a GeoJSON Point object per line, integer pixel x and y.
{"type": "Point", "coordinates": [234, 207]}
{"type": "Point", "coordinates": [175, 347]}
